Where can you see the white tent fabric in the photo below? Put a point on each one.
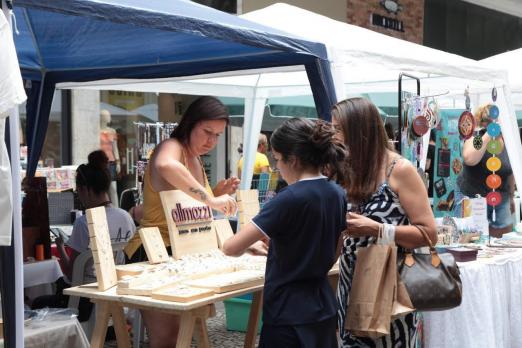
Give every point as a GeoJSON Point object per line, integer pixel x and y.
{"type": "Point", "coordinates": [11, 95]}
{"type": "Point", "coordinates": [362, 60]}
{"type": "Point", "coordinates": [511, 61]}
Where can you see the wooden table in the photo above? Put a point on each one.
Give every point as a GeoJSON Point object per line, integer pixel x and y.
{"type": "Point", "coordinates": [193, 315]}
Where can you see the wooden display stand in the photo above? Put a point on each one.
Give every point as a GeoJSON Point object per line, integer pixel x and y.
{"type": "Point", "coordinates": [100, 243]}
{"type": "Point", "coordinates": [153, 244]}
{"type": "Point", "coordinates": [248, 204]}
{"type": "Point", "coordinates": [190, 224]}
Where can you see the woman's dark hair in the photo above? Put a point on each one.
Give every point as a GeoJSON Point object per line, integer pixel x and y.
{"type": "Point", "coordinates": [202, 109]}
{"type": "Point", "coordinates": [313, 143]}
{"type": "Point", "coordinates": [367, 144]}
{"type": "Point", "coordinates": [95, 174]}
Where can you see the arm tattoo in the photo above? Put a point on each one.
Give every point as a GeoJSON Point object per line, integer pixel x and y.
{"type": "Point", "coordinates": [199, 192]}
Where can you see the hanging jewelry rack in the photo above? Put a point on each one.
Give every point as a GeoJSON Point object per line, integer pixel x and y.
{"type": "Point", "coordinates": [148, 135]}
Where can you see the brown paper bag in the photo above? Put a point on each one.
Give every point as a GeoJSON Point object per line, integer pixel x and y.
{"type": "Point", "coordinates": [373, 291]}
{"type": "Point", "coordinates": [401, 301]}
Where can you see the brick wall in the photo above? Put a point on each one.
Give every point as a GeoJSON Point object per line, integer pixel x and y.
{"type": "Point", "coordinates": [359, 12]}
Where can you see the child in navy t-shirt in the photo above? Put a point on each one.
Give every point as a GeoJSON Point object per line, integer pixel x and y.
{"type": "Point", "coordinates": [303, 222]}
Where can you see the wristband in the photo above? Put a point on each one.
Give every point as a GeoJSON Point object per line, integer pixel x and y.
{"type": "Point", "coordinates": [388, 234]}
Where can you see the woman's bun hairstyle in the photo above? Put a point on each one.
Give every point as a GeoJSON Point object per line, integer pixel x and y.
{"type": "Point", "coordinates": [313, 143]}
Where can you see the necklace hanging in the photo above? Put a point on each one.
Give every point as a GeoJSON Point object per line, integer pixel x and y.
{"type": "Point", "coordinates": [494, 147]}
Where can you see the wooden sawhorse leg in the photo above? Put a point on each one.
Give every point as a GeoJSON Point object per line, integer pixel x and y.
{"type": "Point", "coordinates": [104, 310]}
{"type": "Point", "coordinates": [253, 319]}
{"type": "Point", "coordinates": [196, 317]}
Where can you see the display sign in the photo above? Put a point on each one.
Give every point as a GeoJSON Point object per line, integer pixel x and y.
{"type": "Point", "coordinates": [189, 222]}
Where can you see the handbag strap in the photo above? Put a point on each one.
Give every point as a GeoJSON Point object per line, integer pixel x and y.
{"type": "Point", "coordinates": [435, 259]}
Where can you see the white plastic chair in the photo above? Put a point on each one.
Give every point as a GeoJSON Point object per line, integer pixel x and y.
{"type": "Point", "coordinates": [78, 278]}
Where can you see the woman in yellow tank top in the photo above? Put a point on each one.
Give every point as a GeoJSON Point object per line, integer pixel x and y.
{"type": "Point", "coordinates": [176, 164]}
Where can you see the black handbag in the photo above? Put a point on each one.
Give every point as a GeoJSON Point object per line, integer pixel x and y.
{"type": "Point", "coordinates": [432, 280]}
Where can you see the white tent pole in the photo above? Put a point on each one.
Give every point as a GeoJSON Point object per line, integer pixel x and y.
{"type": "Point", "coordinates": [254, 110]}
{"type": "Point", "coordinates": [14, 122]}
{"type": "Point", "coordinates": [337, 69]}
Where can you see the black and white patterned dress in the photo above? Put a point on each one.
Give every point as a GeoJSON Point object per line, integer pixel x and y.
{"type": "Point", "coordinates": [383, 206]}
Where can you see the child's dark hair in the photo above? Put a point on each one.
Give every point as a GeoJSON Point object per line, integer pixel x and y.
{"type": "Point", "coordinates": [314, 144]}
{"type": "Point", "coordinates": [202, 109]}
{"type": "Point", "coordinates": [95, 174]}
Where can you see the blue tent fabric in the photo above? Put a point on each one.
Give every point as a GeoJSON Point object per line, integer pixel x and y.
{"type": "Point", "coordinates": [85, 40]}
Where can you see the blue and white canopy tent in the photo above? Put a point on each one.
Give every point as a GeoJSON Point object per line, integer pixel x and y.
{"type": "Point", "coordinates": [85, 40]}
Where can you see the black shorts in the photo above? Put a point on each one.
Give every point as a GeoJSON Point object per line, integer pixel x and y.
{"type": "Point", "coordinates": [315, 335]}
{"type": "Point", "coordinates": [140, 255]}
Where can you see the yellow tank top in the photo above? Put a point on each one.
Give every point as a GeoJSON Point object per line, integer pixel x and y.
{"type": "Point", "coordinates": [153, 214]}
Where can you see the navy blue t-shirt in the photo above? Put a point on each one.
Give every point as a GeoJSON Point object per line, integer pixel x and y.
{"type": "Point", "coordinates": [304, 222]}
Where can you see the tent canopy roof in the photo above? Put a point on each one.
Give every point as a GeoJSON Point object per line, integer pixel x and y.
{"type": "Point", "coordinates": [368, 61]}
{"type": "Point", "coordinates": [81, 40]}
{"type": "Point", "coordinates": [511, 61]}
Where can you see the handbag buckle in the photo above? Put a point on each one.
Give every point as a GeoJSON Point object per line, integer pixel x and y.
{"type": "Point", "coordinates": [409, 260]}
{"type": "Point", "coordinates": [435, 259]}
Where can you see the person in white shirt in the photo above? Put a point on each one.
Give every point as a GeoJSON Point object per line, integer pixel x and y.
{"type": "Point", "coordinates": [92, 183]}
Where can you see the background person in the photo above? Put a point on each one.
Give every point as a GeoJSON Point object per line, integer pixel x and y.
{"type": "Point", "coordinates": [304, 222]}
{"type": "Point", "coordinates": [261, 164]}
{"type": "Point", "coordinates": [92, 184]}
{"type": "Point", "coordinates": [109, 145]}
{"type": "Point", "coordinates": [384, 188]}
{"type": "Point", "coordinates": [176, 164]}
{"type": "Point", "coordinates": [472, 179]}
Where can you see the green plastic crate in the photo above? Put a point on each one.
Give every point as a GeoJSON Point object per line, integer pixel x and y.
{"type": "Point", "coordinates": [237, 311]}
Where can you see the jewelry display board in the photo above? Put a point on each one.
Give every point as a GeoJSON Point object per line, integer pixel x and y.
{"type": "Point", "coordinates": [223, 231]}
{"type": "Point", "coordinates": [153, 244]}
{"type": "Point", "coordinates": [100, 243]}
{"type": "Point", "coordinates": [248, 205]}
{"type": "Point", "coordinates": [189, 222]}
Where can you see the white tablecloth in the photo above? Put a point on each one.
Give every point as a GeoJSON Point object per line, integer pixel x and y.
{"type": "Point", "coordinates": [491, 311]}
{"type": "Point", "coordinates": [51, 333]}
{"type": "Point", "coordinates": [41, 272]}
